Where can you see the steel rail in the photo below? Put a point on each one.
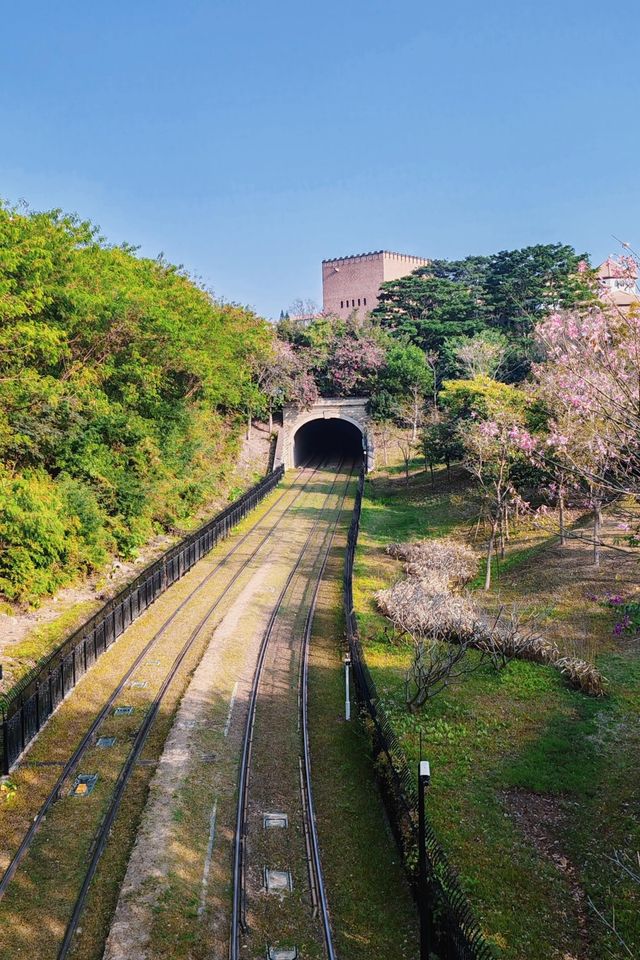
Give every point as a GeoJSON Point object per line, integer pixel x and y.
{"type": "Point", "coordinates": [317, 881]}
{"type": "Point", "coordinates": [138, 744]}
{"type": "Point", "coordinates": [239, 846]}
{"type": "Point", "coordinates": [100, 717]}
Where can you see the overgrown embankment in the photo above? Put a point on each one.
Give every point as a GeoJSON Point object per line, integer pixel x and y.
{"type": "Point", "coordinates": [534, 785]}
{"type": "Point", "coordinates": [121, 384]}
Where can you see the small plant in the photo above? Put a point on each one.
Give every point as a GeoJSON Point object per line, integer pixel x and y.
{"type": "Point", "coordinates": [8, 789]}
{"type": "Point", "coordinates": [629, 622]}
{"type": "Point", "coordinates": [628, 612]}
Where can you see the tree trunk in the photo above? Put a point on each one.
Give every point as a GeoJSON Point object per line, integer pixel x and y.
{"type": "Point", "coordinates": [597, 527]}
{"type": "Point", "coordinates": [433, 482]}
{"type": "Point", "coordinates": [270, 419]}
{"type": "Point", "coordinates": [406, 469]}
{"type": "Point", "coordinates": [563, 532]}
{"type": "Point", "coordinates": [492, 537]}
{"type": "Point", "coordinates": [249, 422]}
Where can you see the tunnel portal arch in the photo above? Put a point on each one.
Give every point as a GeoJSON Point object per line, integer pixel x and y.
{"type": "Point", "coordinates": [346, 425]}
{"type": "Point", "coordinates": [326, 437]}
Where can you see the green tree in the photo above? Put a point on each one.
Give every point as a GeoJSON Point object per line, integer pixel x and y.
{"type": "Point", "coordinates": [520, 286]}
{"type": "Point", "coordinates": [406, 378]}
{"type": "Point", "coordinates": [483, 398]}
{"type": "Point", "coordinates": [427, 310]}
{"type": "Point", "coordinates": [122, 383]}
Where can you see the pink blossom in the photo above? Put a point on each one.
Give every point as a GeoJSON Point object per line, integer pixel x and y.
{"type": "Point", "coordinates": [557, 440]}
{"type": "Point", "coordinates": [489, 429]}
{"type": "Point", "coordinates": [522, 439]}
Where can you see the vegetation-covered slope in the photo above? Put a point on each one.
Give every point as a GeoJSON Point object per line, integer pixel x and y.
{"type": "Point", "coordinates": [534, 789]}
{"type": "Point", "coordinates": [120, 379]}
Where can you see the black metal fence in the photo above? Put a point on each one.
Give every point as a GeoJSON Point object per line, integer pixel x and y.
{"type": "Point", "coordinates": [455, 932]}
{"type": "Point", "coordinates": [28, 705]}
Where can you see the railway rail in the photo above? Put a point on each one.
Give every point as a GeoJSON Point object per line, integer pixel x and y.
{"type": "Point", "coordinates": [89, 738]}
{"type": "Point", "coordinates": [106, 825]}
{"type": "Point", "coordinates": [316, 878]}
{"type": "Point", "coordinates": [121, 771]}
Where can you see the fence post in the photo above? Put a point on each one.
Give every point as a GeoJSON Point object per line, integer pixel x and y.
{"type": "Point", "coordinates": [22, 741]}
{"type": "Point", "coordinates": [5, 742]}
{"type": "Point", "coordinates": [347, 692]}
{"type": "Point", "coordinates": [424, 900]}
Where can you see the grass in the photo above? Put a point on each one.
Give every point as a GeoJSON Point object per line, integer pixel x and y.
{"type": "Point", "coordinates": [360, 859]}
{"type": "Point", "coordinates": [534, 786]}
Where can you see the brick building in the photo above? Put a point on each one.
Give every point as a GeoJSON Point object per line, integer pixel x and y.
{"type": "Point", "coordinates": [352, 283]}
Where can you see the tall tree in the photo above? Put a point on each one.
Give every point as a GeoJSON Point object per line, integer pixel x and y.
{"type": "Point", "coordinates": [521, 286]}
{"type": "Point", "coordinates": [428, 310]}
{"type": "Point", "coordinates": [407, 378]}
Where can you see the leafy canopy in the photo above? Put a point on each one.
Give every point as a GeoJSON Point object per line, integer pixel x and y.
{"type": "Point", "coordinates": [120, 378]}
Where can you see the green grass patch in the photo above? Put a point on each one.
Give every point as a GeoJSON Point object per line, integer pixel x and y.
{"type": "Point", "coordinates": [534, 786]}
{"type": "Point", "coordinates": [371, 906]}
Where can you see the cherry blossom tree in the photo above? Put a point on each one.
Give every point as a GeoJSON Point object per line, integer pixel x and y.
{"type": "Point", "coordinates": [283, 375]}
{"type": "Point", "coordinates": [353, 362]}
{"type": "Point", "coordinates": [590, 386]}
{"type": "Point", "coordinates": [492, 448]}
{"type": "Point", "coordinates": [590, 381]}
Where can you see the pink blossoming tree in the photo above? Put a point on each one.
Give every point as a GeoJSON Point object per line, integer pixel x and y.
{"type": "Point", "coordinates": [590, 384]}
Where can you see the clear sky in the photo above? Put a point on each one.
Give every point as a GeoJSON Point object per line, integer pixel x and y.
{"type": "Point", "coordinates": [250, 140]}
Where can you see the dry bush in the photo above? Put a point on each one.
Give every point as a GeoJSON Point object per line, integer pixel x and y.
{"type": "Point", "coordinates": [418, 607]}
{"type": "Point", "coordinates": [435, 665]}
{"type": "Point", "coordinates": [512, 639]}
{"type": "Point", "coordinates": [426, 609]}
{"type": "Point", "coordinates": [454, 561]}
{"type": "Point", "coordinates": [582, 676]}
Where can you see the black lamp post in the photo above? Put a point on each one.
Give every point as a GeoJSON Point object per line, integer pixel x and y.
{"type": "Point", "coordinates": [424, 898]}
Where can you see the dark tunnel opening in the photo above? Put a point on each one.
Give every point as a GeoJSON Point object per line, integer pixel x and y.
{"type": "Point", "coordinates": [330, 438]}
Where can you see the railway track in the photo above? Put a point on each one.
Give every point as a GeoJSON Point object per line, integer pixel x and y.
{"type": "Point", "coordinates": [88, 740]}
{"type": "Point", "coordinates": [319, 906]}
{"type": "Point", "coordinates": [101, 839]}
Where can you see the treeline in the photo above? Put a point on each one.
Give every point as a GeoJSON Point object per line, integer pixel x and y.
{"type": "Point", "coordinates": [447, 320]}
{"type": "Point", "coordinates": [519, 365]}
{"type": "Point", "coordinates": [122, 382]}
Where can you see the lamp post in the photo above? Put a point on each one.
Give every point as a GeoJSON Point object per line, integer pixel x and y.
{"type": "Point", "coordinates": [424, 777]}
{"type": "Point", "coordinates": [347, 693]}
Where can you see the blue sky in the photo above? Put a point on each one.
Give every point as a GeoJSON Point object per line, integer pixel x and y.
{"type": "Point", "coordinates": [248, 140]}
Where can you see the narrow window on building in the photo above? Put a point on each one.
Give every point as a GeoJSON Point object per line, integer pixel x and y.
{"type": "Point", "coordinates": [353, 303]}
{"type": "Point", "coordinates": [364, 301]}
{"type": "Point", "coordinates": [358, 301]}
{"type": "Point", "coordinates": [341, 304]}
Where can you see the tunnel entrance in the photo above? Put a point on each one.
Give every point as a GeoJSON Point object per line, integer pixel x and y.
{"type": "Point", "coordinates": [328, 437]}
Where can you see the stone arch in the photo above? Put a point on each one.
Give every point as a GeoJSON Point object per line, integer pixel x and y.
{"type": "Point", "coordinates": [352, 410]}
